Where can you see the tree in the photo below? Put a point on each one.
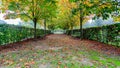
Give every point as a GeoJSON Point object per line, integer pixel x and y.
{"type": "Point", "coordinates": [99, 8]}
{"type": "Point", "coordinates": [48, 12]}
{"type": "Point", "coordinates": [32, 9]}
{"type": "Point", "coordinates": [65, 18]}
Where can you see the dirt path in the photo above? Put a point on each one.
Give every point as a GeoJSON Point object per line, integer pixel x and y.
{"type": "Point", "coordinates": [59, 51]}
{"type": "Point", "coordinates": [61, 40]}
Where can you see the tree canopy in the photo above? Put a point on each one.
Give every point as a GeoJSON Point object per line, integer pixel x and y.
{"type": "Point", "coordinates": [99, 8]}
{"type": "Point", "coordinates": [34, 10]}
{"type": "Point", "coordinates": [64, 14]}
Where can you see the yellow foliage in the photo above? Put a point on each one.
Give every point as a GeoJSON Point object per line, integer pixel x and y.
{"type": "Point", "coordinates": [88, 3]}
{"type": "Point", "coordinates": [116, 19]}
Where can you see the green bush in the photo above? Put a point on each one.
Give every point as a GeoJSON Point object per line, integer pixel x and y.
{"type": "Point", "coordinates": [106, 34]}
{"type": "Point", "coordinates": [12, 33]}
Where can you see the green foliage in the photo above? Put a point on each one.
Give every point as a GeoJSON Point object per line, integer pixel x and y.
{"type": "Point", "coordinates": [73, 0]}
{"type": "Point", "coordinates": [74, 10]}
{"type": "Point", "coordinates": [106, 34]}
{"type": "Point", "coordinates": [35, 10]}
{"type": "Point", "coordinates": [12, 33]}
{"type": "Point", "coordinates": [12, 6]}
{"type": "Point", "coordinates": [51, 26]}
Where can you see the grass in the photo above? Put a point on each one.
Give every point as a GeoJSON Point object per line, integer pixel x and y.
{"type": "Point", "coordinates": [56, 60]}
{"type": "Point", "coordinates": [64, 57]}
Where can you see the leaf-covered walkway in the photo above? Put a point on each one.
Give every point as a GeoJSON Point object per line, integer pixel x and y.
{"type": "Point", "coordinates": [59, 51]}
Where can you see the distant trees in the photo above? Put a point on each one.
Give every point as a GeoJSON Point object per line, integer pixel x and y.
{"type": "Point", "coordinates": [48, 12]}
{"type": "Point", "coordinates": [66, 20]}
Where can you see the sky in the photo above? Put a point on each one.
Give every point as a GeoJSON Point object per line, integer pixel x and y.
{"type": "Point", "coordinates": [10, 21]}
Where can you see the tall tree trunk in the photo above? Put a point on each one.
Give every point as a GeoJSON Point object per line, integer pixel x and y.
{"type": "Point", "coordinates": [81, 20]}
{"type": "Point", "coordinates": [35, 23]}
{"type": "Point", "coordinates": [45, 27]}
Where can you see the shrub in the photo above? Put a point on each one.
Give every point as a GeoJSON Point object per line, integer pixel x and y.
{"type": "Point", "coordinates": [106, 34]}
{"type": "Point", "coordinates": [12, 33]}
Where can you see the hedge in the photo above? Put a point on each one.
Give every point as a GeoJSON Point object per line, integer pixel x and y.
{"type": "Point", "coordinates": [105, 34]}
{"type": "Point", "coordinates": [13, 33]}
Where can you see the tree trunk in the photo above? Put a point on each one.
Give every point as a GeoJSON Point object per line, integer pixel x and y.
{"type": "Point", "coordinates": [81, 20]}
{"type": "Point", "coordinates": [35, 23]}
{"type": "Point", "coordinates": [71, 30]}
{"type": "Point", "coordinates": [45, 27]}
